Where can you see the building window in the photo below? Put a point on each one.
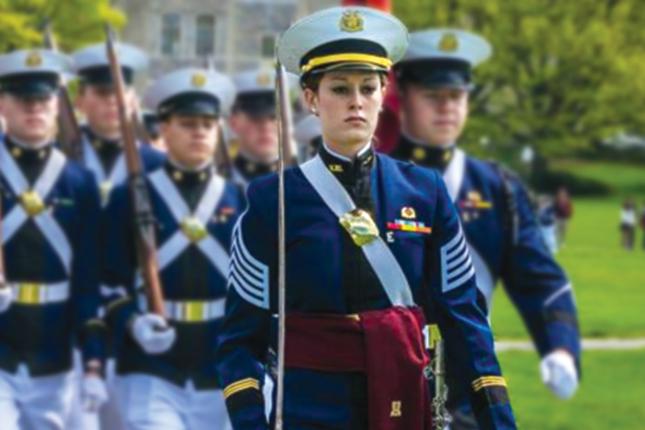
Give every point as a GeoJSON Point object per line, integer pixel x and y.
{"type": "Point", "coordinates": [205, 36]}
{"type": "Point", "coordinates": [170, 33]}
{"type": "Point", "coordinates": [268, 46]}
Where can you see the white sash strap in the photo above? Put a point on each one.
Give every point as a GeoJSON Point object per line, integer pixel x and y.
{"type": "Point", "coordinates": [377, 252]}
{"type": "Point", "coordinates": [93, 163]}
{"type": "Point", "coordinates": [50, 228]}
{"type": "Point", "coordinates": [178, 242]}
{"type": "Point", "coordinates": [454, 174]}
{"type": "Point", "coordinates": [30, 293]}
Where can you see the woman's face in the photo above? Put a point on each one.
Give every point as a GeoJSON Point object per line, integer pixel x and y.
{"type": "Point", "coordinates": [348, 104]}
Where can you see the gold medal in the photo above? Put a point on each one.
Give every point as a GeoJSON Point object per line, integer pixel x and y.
{"type": "Point", "coordinates": [32, 203]}
{"type": "Point", "coordinates": [360, 226]}
{"type": "Point", "coordinates": [193, 229]}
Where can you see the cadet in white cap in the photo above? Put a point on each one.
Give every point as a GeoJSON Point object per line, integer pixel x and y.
{"type": "Point", "coordinates": [102, 146]}
{"type": "Point", "coordinates": [501, 229]}
{"type": "Point", "coordinates": [166, 374]}
{"type": "Point", "coordinates": [50, 241]}
{"type": "Point", "coordinates": [308, 134]}
{"type": "Point", "coordinates": [253, 120]}
{"type": "Point", "coordinates": [373, 248]}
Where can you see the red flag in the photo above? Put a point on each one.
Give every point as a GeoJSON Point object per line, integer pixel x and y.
{"type": "Point", "coordinates": [384, 5]}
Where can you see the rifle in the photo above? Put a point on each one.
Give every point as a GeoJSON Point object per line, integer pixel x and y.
{"type": "Point", "coordinates": [222, 157]}
{"type": "Point", "coordinates": [143, 216]}
{"type": "Point", "coordinates": [284, 146]}
{"type": "Point", "coordinates": [69, 133]}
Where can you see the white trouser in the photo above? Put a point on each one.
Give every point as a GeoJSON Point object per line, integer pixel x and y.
{"type": "Point", "coordinates": [35, 403]}
{"type": "Point", "coordinates": [150, 403]}
{"type": "Point", "coordinates": [108, 416]}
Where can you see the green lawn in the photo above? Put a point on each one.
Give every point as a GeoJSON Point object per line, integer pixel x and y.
{"type": "Point", "coordinates": [609, 282]}
{"type": "Point", "coordinates": [610, 396]}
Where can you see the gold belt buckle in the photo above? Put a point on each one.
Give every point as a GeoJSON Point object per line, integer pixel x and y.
{"type": "Point", "coordinates": [32, 202]}
{"type": "Point", "coordinates": [193, 229]}
{"type": "Point", "coordinates": [29, 293]}
{"type": "Point", "coordinates": [194, 311]}
{"type": "Point", "coordinates": [360, 226]}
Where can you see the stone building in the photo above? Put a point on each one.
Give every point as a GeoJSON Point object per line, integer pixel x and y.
{"type": "Point", "coordinates": [232, 35]}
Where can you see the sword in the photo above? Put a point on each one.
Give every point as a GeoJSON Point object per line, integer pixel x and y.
{"type": "Point", "coordinates": [284, 136]}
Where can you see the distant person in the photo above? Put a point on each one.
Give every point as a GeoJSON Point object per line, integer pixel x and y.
{"type": "Point", "coordinates": [563, 212]}
{"type": "Point", "coordinates": [628, 224]}
{"type": "Point", "coordinates": [547, 221]}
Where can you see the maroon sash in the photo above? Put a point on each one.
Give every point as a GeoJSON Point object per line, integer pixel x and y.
{"type": "Point", "coordinates": [387, 345]}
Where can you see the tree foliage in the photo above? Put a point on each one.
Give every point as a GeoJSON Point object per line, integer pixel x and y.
{"type": "Point", "coordinates": [75, 22]}
{"type": "Point", "coordinates": [563, 74]}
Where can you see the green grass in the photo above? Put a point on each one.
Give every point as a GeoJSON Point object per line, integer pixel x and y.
{"type": "Point", "coordinates": [609, 282]}
{"type": "Point", "coordinates": [623, 179]}
{"type": "Point", "coordinates": [610, 396]}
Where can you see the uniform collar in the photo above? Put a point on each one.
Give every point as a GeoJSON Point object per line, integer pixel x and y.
{"type": "Point", "coordinates": [99, 142]}
{"type": "Point", "coordinates": [345, 169]}
{"type": "Point", "coordinates": [23, 153]}
{"type": "Point", "coordinates": [182, 176]}
{"type": "Point", "coordinates": [250, 169]}
{"type": "Point", "coordinates": [418, 152]}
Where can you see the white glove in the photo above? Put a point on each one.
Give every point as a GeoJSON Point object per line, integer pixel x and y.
{"type": "Point", "coordinates": [559, 373]}
{"type": "Point", "coordinates": [152, 332]}
{"type": "Point", "coordinates": [93, 393]}
{"type": "Point", "coordinates": [6, 297]}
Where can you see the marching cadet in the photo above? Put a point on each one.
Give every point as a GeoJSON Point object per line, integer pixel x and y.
{"type": "Point", "coordinates": [374, 247]}
{"type": "Point", "coordinates": [102, 147]}
{"type": "Point", "coordinates": [253, 120]}
{"type": "Point", "coordinates": [102, 151]}
{"type": "Point", "coordinates": [308, 134]}
{"type": "Point", "coordinates": [50, 208]}
{"type": "Point", "coordinates": [434, 81]}
{"type": "Point", "coordinates": [165, 367]}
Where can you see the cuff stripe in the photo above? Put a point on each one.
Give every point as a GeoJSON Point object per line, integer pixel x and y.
{"type": "Point", "coordinates": [241, 385]}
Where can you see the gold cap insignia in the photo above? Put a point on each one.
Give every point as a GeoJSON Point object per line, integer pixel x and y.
{"type": "Point", "coordinates": [198, 80]}
{"type": "Point", "coordinates": [408, 212]}
{"type": "Point", "coordinates": [263, 79]}
{"type": "Point", "coordinates": [395, 412]}
{"type": "Point", "coordinates": [351, 21]}
{"type": "Point", "coordinates": [34, 59]}
{"type": "Point", "coordinates": [448, 43]}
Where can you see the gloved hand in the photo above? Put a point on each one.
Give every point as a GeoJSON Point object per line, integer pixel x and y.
{"type": "Point", "coordinates": [153, 333]}
{"type": "Point", "coordinates": [93, 392]}
{"type": "Point", "coordinates": [559, 373]}
{"type": "Point", "coordinates": [6, 297]}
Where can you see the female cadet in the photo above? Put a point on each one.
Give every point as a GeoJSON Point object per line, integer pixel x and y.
{"type": "Point", "coordinates": [374, 247]}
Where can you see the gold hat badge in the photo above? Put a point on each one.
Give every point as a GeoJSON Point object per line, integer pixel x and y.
{"type": "Point", "coordinates": [448, 43]}
{"type": "Point", "coordinates": [351, 21]}
{"type": "Point", "coordinates": [198, 80]}
{"type": "Point", "coordinates": [263, 79]}
{"type": "Point", "coordinates": [34, 59]}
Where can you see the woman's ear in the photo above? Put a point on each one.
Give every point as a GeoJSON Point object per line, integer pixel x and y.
{"type": "Point", "coordinates": [312, 100]}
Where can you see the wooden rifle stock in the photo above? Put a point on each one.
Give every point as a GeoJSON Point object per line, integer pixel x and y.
{"type": "Point", "coordinates": [144, 218]}
{"type": "Point", "coordinates": [69, 133]}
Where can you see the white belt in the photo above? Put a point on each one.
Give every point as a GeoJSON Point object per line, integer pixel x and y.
{"type": "Point", "coordinates": [35, 293]}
